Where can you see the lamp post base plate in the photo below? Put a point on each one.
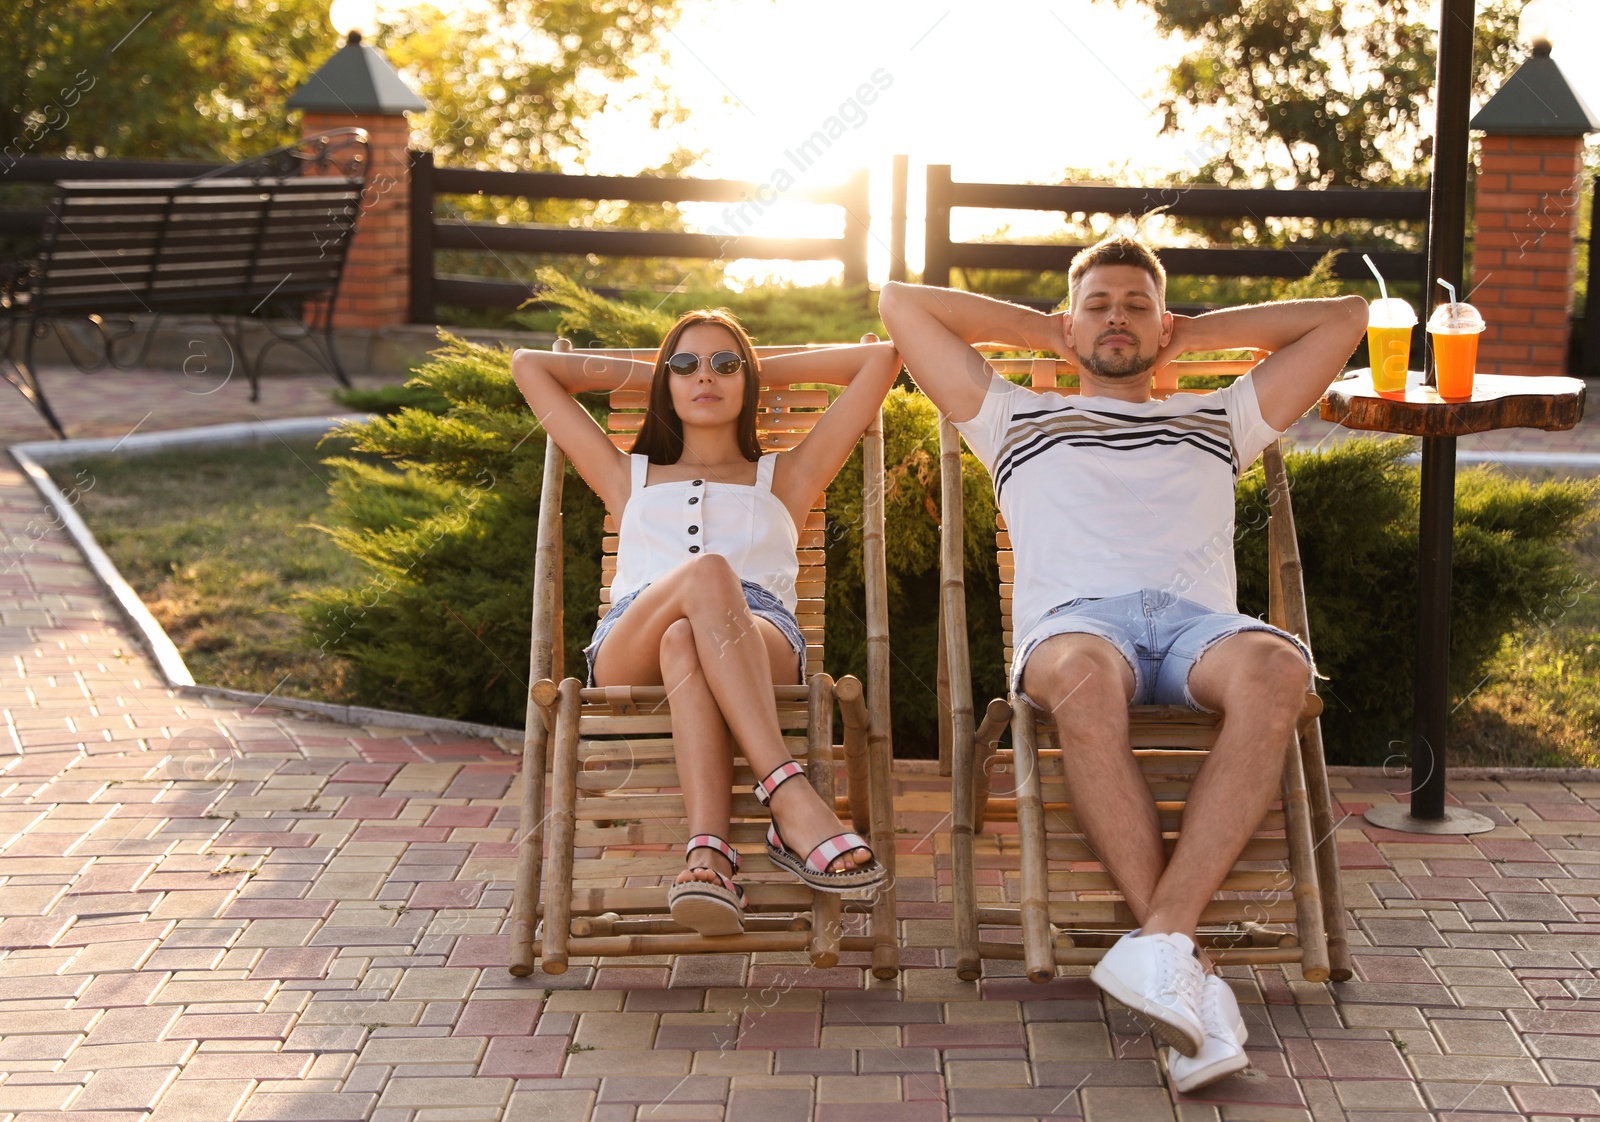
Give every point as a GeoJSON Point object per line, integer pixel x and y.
{"type": "Point", "coordinates": [1456, 820]}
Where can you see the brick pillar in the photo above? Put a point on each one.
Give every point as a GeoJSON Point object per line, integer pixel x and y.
{"type": "Point", "coordinates": [1525, 252]}
{"type": "Point", "coordinates": [375, 288]}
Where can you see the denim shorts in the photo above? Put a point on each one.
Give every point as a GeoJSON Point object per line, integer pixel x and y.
{"type": "Point", "coordinates": [761, 603]}
{"type": "Point", "coordinates": [1160, 634]}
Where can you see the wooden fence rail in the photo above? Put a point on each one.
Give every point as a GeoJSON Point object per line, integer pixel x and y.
{"type": "Point", "coordinates": [428, 233]}
{"type": "Point", "coordinates": [945, 194]}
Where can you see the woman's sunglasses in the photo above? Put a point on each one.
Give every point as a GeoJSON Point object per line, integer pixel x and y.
{"type": "Point", "coordinates": [724, 363]}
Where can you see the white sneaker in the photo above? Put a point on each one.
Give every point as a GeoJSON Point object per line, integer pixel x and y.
{"type": "Point", "coordinates": [1223, 1052]}
{"type": "Point", "coordinates": [1158, 978]}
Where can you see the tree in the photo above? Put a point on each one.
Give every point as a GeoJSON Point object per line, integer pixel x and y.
{"type": "Point", "coordinates": [510, 83]}
{"type": "Point", "coordinates": [194, 79]}
{"type": "Point", "coordinates": [1331, 93]}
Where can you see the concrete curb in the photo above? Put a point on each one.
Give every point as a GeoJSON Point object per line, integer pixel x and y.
{"type": "Point", "coordinates": [169, 663]}
{"type": "Point", "coordinates": [32, 457]}
{"type": "Point", "coordinates": [206, 436]}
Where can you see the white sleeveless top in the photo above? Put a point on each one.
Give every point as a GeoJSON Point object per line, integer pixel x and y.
{"type": "Point", "coordinates": [666, 524]}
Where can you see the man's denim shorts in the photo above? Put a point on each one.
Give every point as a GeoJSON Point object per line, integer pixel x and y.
{"type": "Point", "coordinates": [761, 602]}
{"type": "Point", "coordinates": [1160, 634]}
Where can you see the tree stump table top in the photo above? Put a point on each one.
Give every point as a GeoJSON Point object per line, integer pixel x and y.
{"type": "Point", "coordinates": [1499, 401]}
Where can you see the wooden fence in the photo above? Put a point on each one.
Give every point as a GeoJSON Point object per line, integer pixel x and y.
{"type": "Point", "coordinates": [944, 194]}
{"type": "Point", "coordinates": [429, 233]}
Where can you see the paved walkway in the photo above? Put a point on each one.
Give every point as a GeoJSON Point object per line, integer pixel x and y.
{"type": "Point", "coordinates": [210, 913]}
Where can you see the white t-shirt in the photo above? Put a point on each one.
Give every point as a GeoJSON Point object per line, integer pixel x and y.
{"type": "Point", "coordinates": [1105, 497]}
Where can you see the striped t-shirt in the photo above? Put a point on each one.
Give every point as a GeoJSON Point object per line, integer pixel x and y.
{"type": "Point", "coordinates": [1105, 497]}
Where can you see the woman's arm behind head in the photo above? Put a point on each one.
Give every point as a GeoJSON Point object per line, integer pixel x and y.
{"type": "Point", "coordinates": [548, 380]}
{"type": "Point", "coordinates": [868, 370]}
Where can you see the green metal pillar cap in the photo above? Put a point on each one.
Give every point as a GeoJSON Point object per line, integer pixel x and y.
{"type": "Point", "coordinates": [359, 81]}
{"type": "Point", "coordinates": [1537, 101]}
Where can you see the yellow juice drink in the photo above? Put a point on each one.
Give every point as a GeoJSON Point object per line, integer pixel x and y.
{"type": "Point", "coordinates": [1389, 324]}
{"type": "Point", "coordinates": [1454, 329]}
{"type": "Point", "coordinates": [1389, 350]}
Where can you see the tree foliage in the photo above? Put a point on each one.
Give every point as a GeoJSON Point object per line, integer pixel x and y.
{"type": "Point", "coordinates": [1327, 93]}
{"type": "Point", "coordinates": [509, 83]}
{"type": "Point", "coordinates": [191, 79]}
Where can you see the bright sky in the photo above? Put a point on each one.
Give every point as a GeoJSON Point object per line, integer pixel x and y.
{"type": "Point", "coordinates": [1003, 90]}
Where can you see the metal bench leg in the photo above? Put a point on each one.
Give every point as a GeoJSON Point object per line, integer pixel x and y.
{"type": "Point", "coordinates": [22, 375]}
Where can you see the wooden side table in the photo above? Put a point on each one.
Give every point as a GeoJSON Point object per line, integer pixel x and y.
{"type": "Point", "coordinates": [1497, 402]}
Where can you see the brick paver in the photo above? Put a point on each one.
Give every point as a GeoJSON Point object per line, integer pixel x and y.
{"type": "Point", "coordinates": [305, 924]}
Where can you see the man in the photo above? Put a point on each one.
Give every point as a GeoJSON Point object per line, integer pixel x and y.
{"type": "Point", "coordinates": [1120, 508]}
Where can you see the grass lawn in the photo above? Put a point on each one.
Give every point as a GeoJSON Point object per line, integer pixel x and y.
{"type": "Point", "coordinates": [1540, 704]}
{"type": "Point", "coordinates": [217, 544]}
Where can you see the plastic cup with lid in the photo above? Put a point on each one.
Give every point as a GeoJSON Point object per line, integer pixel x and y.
{"type": "Point", "coordinates": [1454, 329]}
{"type": "Point", "coordinates": [1389, 324]}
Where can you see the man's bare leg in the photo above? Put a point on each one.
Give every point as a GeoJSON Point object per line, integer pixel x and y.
{"type": "Point", "coordinates": [1087, 684]}
{"type": "Point", "coordinates": [1257, 681]}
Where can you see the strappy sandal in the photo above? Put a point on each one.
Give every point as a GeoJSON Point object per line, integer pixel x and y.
{"type": "Point", "coordinates": [709, 908]}
{"type": "Point", "coordinates": [814, 868]}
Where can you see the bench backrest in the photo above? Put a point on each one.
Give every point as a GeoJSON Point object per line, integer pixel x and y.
{"type": "Point", "coordinates": [211, 245]}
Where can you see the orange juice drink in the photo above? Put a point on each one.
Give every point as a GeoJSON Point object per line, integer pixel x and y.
{"type": "Point", "coordinates": [1454, 329]}
{"type": "Point", "coordinates": [1389, 325]}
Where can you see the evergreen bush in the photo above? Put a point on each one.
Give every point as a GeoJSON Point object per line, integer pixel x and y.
{"type": "Point", "coordinates": [1356, 511]}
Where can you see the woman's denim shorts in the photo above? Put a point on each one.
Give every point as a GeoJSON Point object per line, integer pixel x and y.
{"type": "Point", "coordinates": [1160, 634]}
{"type": "Point", "coordinates": [761, 602]}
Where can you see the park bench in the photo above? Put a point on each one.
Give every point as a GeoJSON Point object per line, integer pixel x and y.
{"type": "Point", "coordinates": [263, 240]}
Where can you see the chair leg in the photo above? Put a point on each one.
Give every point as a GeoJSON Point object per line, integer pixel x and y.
{"type": "Point", "coordinates": [1303, 867]}
{"type": "Point", "coordinates": [530, 848]}
{"type": "Point", "coordinates": [963, 876]}
{"type": "Point", "coordinates": [825, 906]}
{"type": "Point", "coordinates": [564, 784]}
{"type": "Point", "coordinates": [885, 920]}
{"type": "Point", "coordinates": [1038, 950]}
{"type": "Point", "coordinates": [1325, 836]}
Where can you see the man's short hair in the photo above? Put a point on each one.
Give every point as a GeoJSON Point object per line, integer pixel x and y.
{"type": "Point", "coordinates": [1117, 250]}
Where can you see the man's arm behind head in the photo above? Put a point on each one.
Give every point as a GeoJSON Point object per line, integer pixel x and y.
{"type": "Point", "coordinates": [1310, 341]}
{"type": "Point", "coordinates": [934, 329]}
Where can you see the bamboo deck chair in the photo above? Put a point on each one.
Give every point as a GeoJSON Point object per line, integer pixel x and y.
{"type": "Point", "coordinates": [593, 869]}
{"type": "Point", "coordinates": [1070, 911]}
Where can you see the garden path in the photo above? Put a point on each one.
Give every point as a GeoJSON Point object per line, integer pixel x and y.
{"type": "Point", "coordinates": [210, 912]}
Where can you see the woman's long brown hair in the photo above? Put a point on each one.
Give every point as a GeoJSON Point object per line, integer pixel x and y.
{"type": "Point", "coordinates": [661, 436]}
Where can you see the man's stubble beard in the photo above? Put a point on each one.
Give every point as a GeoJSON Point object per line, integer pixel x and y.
{"type": "Point", "coordinates": [1124, 369]}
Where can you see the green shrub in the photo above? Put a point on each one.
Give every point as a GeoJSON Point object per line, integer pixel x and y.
{"type": "Point", "coordinates": [390, 398]}
{"type": "Point", "coordinates": [1356, 514]}
{"type": "Point", "coordinates": [441, 623]}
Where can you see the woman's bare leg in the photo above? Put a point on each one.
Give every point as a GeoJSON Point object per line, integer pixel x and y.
{"type": "Point", "coordinates": [737, 668]}
{"type": "Point", "coordinates": [703, 749]}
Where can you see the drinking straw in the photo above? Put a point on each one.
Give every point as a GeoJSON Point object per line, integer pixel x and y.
{"type": "Point", "coordinates": [1383, 289]}
{"type": "Point", "coordinates": [1455, 313]}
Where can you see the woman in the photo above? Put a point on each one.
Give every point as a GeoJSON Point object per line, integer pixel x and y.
{"type": "Point", "coordinates": [704, 593]}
